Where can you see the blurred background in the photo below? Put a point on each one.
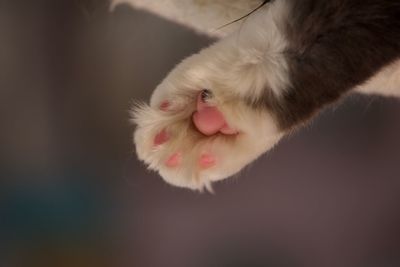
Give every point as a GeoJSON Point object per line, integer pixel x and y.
{"type": "Point", "coordinates": [72, 192]}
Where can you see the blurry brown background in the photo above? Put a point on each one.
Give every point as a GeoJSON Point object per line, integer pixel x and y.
{"type": "Point", "coordinates": [73, 194]}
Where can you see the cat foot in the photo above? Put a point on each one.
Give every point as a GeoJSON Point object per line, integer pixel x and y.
{"type": "Point", "coordinates": [193, 137]}
{"type": "Point", "coordinates": [195, 140]}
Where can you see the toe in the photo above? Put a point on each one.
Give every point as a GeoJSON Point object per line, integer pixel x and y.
{"type": "Point", "coordinates": [164, 105]}
{"type": "Point", "coordinates": [206, 161]}
{"type": "Point", "coordinates": [161, 138]}
{"type": "Point", "coordinates": [174, 160]}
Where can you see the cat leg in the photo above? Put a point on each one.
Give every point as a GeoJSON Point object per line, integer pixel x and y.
{"type": "Point", "coordinates": [202, 124]}
{"type": "Point", "coordinates": [220, 109]}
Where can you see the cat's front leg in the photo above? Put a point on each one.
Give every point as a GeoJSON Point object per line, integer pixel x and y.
{"type": "Point", "coordinates": [205, 121]}
{"type": "Point", "coordinates": [220, 109]}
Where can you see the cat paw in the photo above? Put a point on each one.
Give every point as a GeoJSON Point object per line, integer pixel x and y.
{"type": "Point", "coordinates": [196, 137]}
{"type": "Point", "coordinates": [202, 125]}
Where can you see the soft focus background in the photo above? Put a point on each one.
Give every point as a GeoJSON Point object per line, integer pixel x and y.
{"type": "Point", "coordinates": [73, 194]}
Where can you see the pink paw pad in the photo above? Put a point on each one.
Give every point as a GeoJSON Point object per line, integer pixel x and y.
{"type": "Point", "coordinates": [209, 120]}
{"type": "Point", "coordinates": [174, 160]}
{"type": "Point", "coordinates": [206, 161]}
{"type": "Point", "coordinates": [164, 105]}
{"type": "Point", "coordinates": [161, 138]}
{"type": "Point", "coordinates": [228, 130]}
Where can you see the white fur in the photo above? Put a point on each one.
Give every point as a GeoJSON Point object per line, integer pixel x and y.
{"type": "Point", "coordinates": [386, 82]}
{"type": "Point", "coordinates": [204, 16]}
{"type": "Point", "coordinates": [235, 67]}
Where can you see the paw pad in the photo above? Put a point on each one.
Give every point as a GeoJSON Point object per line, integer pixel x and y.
{"type": "Point", "coordinates": [174, 160]}
{"type": "Point", "coordinates": [161, 138]}
{"type": "Point", "coordinates": [208, 119]}
{"type": "Point", "coordinates": [164, 105]}
{"type": "Point", "coordinates": [206, 161]}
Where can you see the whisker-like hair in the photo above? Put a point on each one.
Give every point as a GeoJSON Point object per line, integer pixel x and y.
{"type": "Point", "coordinates": [245, 16]}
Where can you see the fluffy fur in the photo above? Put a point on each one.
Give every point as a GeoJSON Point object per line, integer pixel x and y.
{"type": "Point", "coordinates": [287, 61]}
